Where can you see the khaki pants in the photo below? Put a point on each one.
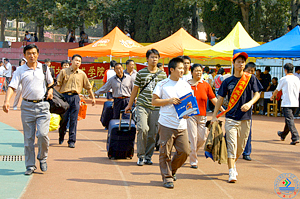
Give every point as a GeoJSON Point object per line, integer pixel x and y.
{"type": "Point", "coordinates": [197, 135]}
{"type": "Point", "coordinates": [168, 138]}
{"type": "Point", "coordinates": [147, 128]}
{"type": "Point", "coordinates": [237, 133]}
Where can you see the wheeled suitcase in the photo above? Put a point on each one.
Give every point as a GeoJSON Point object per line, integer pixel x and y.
{"type": "Point", "coordinates": [120, 138]}
{"type": "Point", "coordinates": [107, 113]}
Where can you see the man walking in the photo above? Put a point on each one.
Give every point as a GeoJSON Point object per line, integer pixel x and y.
{"type": "Point", "coordinates": [121, 85]}
{"type": "Point", "coordinates": [7, 72]}
{"type": "Point", "coordinates": [70, 83]}
{"type": "Point", "coordinates": [290, 87]}
{"type": "Point", "coordinates": [147, 114]}
{"type": "Point", "coordinates": [130, 69]}
{"type": "Point", "coordinates": [34, 109]}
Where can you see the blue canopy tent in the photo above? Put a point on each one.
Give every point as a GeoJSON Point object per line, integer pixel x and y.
{"type": "Point", "coordinates": [287, 46]}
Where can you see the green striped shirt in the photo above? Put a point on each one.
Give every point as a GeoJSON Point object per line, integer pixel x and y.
{"type": "Point", "coordinates": [142, 78]}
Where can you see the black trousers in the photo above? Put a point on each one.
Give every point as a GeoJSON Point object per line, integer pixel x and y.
{"type": "Point", "coordinates": [71, 113]}
{"type": "Point", "coordinates": [288, 113]}
{"type": "Point", "coordinates": [120, 104]}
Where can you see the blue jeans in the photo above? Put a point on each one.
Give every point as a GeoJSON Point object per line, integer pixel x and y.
{"type": "Point", "coordinates": [72, 115]}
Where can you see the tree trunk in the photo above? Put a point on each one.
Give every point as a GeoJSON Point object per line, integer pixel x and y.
{"type": "Point", "coordinates": [294, 16]}
{"type": "Point", "coordinates": [41, 33]}
{"type": "Point", "coordinates": [17, 29]}
{"type": "Point", "coordinates": [245, 12]}
{"type": "Point", "coordinates": [3, 22]}
{"type": "Point", "coordinates": [195, 19]}
{"type": "Point", "coordinates": [105, 26]}
{"type": "Point", "coordinates": [81, 28]}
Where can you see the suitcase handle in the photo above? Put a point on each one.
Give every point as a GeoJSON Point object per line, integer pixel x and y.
{"type": "Point", "coordinates": [130, 117]}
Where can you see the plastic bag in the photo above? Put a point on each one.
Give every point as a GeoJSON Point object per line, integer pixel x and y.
{"type": "Point", "coordinates": [54, 122]}
{"type": "Point", "coordinates": [82, 110]}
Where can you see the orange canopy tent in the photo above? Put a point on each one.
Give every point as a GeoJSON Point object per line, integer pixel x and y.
{"type": "Point", "coordinates": [172, 46]}
{"type": "Point", "coordinates": [115, 43]}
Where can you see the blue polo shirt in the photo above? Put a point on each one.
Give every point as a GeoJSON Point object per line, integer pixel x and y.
{"type": "Point", "coordinates": [227, 87]}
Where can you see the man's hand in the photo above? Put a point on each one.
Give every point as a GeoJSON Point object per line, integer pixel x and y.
{"type": "Point", "coordinates": [93, 102]}
{"type": "Point", "coordinates": [50, 94]}
{"type": "Point", "coordinates": [271, 98]}
{"type": "Point", "coordinates": [6, 107]}
{"type": "Point", "coordinates": [186, 117]}
{"type": "Point", "coordinates": [214, 119]}
{"type": "Point", "coordinates": [245, 107]}
{"type": "Point", "coordinates": [127, 109]}
{"type": "Point", "coordinates": [175, 100]}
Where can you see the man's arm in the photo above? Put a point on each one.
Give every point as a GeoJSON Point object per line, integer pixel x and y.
{"type": "Point", "coordinates": [248, 105]}
{"type": "Point", "coordinates": [50, 91]}
{"type": "Point", "coordinates": [105, 88]}
{"type": "Point", "coordinates": [214, 101]}
{"type": "Point", "coordinates": [274, 94]}
{"type": "Point", "coordinates": [132, 98]}
{"type": "Point", "coordinates": [156, 101]}
{"type": "Point", "coordinates": [217, 108]}
{"type": "Point", "coordinates": [8, 95]}
{"type": "Point", "coordinates": [93, 97]}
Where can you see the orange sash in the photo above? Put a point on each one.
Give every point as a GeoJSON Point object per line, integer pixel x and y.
{"type": "Point", "coordinates": [237, 92]}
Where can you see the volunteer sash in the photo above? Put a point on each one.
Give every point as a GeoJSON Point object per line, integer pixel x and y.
{"type": "Point", "coordinates": [237, 92]}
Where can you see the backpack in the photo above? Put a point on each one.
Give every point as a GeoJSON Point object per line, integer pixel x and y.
{"type": "Point", "coordinates": [58, 104]}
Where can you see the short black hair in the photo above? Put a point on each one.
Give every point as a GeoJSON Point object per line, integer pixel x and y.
{"type": "Point", "coordinates": [221, 71]}
{"type": "Point", "coordinates": [117, 64]}
{"type": "Point", "coordinates": [173, 63]}
{"type": "Point", "coordinates": [128, 61]}
{"type": "Point", "coordinates": [187, 57]}
{"type": "Point", "coordinates": [212, 71]}
{"type": "Point", "coordinates": [290, 27]}
{"type": "Point", "coordinates": [250, 65]}
{"type": "Point", "coordinates": [47, 60]}
{"type": "Point", "coordinates": [6, 59]}
{"type": "Point", "coordinates": [289, 67]}
{"type": "Point", "coordinates": [150, 51]}
{"type": "Point", "coordinates": [195, 66]}
{"type": "Point", "coordinates": [76, 55]}
{"type": "Point", "coordinates": [29, 47]}
{"type": "Point", "coordinates": [275, 79]}
{"type": "Point", "coordinates": [258, 70]}
{"type": "Point", "coordinates": [64, 62]}
{"type": "Point", "coordinates": [268, 68]}
{"type": "Point", "coordinates": [297, 68]}
{"type": "Point", "coordinates": [112, 63]}
{"type": "Point", "coordinates": [206, 69]}
{"type": "Point", "coordinates": [218, 66]}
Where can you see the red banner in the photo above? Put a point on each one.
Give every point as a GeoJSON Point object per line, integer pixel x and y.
{"type": "Point", "coordinates": [94, 70]}
{"type": "Point", "coordinates": [2, 79]}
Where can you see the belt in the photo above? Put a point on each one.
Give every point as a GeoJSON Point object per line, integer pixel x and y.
{"type": "Point", "coordinates": [71, 93]}
{"type": "Point", "coordinates": [34, 101]}
{"type": "Point", "coordinates": [121, 97]}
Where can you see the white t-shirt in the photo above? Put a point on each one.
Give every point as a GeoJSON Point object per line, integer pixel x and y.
{"type": "Point", "coordinates": [187, 77]}
{"type": "Point", "coordinates": [7, 72]}
{"type": "Point", "coordinates": [290, 86]}
{"type": "Point", "coordinates": [110, 73]}
{"type": "Point", "coordinates": [167, 89]}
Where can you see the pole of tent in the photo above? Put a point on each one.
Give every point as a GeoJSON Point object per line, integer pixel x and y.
{"type": "Point", "coordinates": [282, 67]}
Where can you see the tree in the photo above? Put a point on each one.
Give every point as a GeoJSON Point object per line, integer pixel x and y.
{"type": "Point", "coordinates": [245, 8]}
{"type": "Point", "coordinates": [295, 5]}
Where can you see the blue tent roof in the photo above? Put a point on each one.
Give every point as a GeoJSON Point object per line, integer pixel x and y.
{"type": "Point", "coordinates": [287, 46]}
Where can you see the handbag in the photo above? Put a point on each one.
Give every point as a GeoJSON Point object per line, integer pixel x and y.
{"type": "Point", "coordinates": [58, 104]}
{"type": "Point", "coordinates": [82, 110]}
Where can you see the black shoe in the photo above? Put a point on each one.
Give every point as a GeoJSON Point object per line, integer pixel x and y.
{"type": "Point", "coordinates": [149, 162]}
{"type": "Point", "coordinates": [194, 167]}
{"type": "Point", "coordinates": [169, 185]}
{"type": "Point", "coordinates": [157, 148]}
{"type": "Point", "coordinates": [29, 171]}
{"type": "Point", "coordinates": [247, 157]}
{"type": "Point", "coordinates": [71, 145]}
{"type": "Point", "coordinates": [174, 177]}
{"type": "Point", "coordinates": [279, 133]}
{"type": "Point", "coordinates": [294, 142]}
{"type": "Point", "coordinates": [60, 141]}
{"type": "Point", "coordinates": [43, 166]}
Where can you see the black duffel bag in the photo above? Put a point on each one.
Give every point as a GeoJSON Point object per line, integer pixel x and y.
{"type": "Point", "coordinates": [58, 104]}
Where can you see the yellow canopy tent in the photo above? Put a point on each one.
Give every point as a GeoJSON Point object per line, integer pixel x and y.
{"type": "Point", "coordinates": [115, 43]}
{"type": "Point", "coordinates": [238, 38]}
{"type": "Point", "coordinates": [172, 46]}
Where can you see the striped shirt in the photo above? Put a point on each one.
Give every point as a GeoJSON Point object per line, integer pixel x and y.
{"type": "Point", "coordinates": [142, 78]}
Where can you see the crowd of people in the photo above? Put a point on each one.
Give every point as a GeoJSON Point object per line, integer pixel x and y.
{"type": "Point", "coordinates": [154, 95]}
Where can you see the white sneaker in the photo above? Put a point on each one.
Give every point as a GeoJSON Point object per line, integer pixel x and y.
{"type": "Point", "coordinates": [234, 168]}
{"type": "Point", "coordinates": [140, 162]}
{"type": "Point", "coordinates": [15, 108]}
{"type": "Point", "coordinates": [232, 176]}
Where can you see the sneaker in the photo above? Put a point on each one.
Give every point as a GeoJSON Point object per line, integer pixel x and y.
{"type": "Point", "coordinates": [232, 176]}
{"type": "Point", "coordinates": [148, 162]}
{"type": "Point", "coordinates": [294, 142]}
{"type": "Point", "coordinates": [140, 162]}
{"type": "Point", "coordinates": [169, 185]}
{"type": "Point", "coordinates": [71, 145]}
{"type": "Point", "coordinates": [247, 157]}
{"type": "Point", "coordinates": [279, 134]}
{"type": "Point", "coordinates": [43, 166]}
{"type": "Point", "coordinates": [15, 108]}
{"type": "Point", "coordinates": [194, 166]}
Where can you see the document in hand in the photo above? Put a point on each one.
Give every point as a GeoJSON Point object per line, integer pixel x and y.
{"type": "Point", "coordinates": [188, 106]}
